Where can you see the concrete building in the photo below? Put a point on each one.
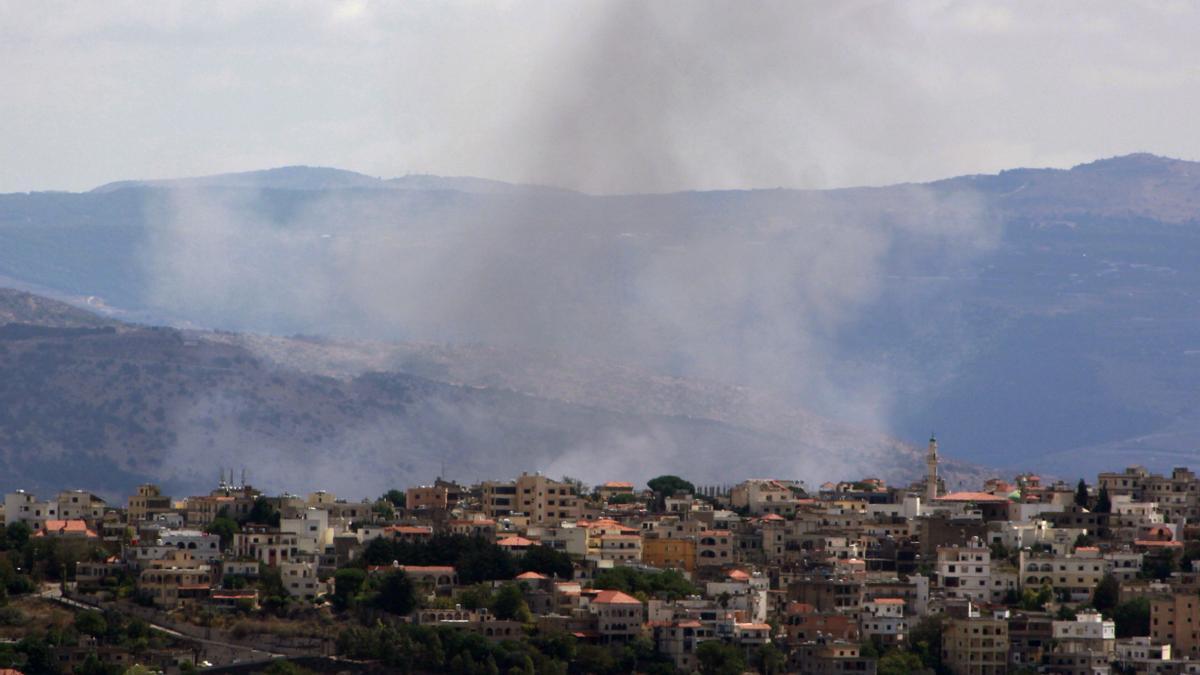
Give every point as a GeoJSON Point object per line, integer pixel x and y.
{"type": "Point", "coordinates": [147, 503]}
{"type": "Point", "coordinates": [1175, 620]}
{"type": "Point", "coordinates": [976, 645]}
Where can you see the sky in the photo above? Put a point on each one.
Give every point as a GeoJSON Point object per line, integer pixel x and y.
{"type": "Point", "coordinates": [604, 97]}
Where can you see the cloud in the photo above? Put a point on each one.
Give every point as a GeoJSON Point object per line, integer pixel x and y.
{"type": "Point", "coordinates": [771, 94]}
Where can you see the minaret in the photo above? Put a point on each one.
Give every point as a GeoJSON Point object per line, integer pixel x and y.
{"type": "Point", "coordinates": [931, 480]}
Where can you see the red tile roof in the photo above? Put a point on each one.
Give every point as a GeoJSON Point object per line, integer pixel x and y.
{"type": "Point", "coordinates": [515, 542]}
{"type": "Point", "coordinates": [970, 497]}
{"type": "Point", "coordinates": [615, 598]}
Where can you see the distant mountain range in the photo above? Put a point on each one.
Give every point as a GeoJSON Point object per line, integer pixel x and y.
{"type": "Point", "coordinates": [1042, 319]}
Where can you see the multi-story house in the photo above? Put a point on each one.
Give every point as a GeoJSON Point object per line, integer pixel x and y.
{"type": "Point", "coordinates": [1175, 620]}
{"type": "Point", "coordinates": [975, 644]}
{"type": "Point", "coordinates": [147, 503]}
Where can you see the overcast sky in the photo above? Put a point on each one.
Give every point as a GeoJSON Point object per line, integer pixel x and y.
{"type": "Point", "coordinates": [600, 96]}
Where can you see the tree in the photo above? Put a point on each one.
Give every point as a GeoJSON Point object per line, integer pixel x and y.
{"type": "Point", "coordinates": [1107, 594]}
{"type": "Point", "coordinates": [16, 534]}
{"type": "Point", "coordinates": [718, 658]}
{"type": "Point", "coordinates": [224, 527]}
{"type": "Point", "coordinates": [263, 513]}
{"type": "Point", "coordinates": [668, 485]}
{"type": "Point", "coordinates": [475, 597]}
{"type": "Point", "coordinates": [545, 560]}
{"type": "Point", "coordinates": [925, 640]}
{"type": "Point", "coordinates": [396, 594]}
{"type": "Point", "coordinates": [1132, 618]}
{"type": "Point", "coordinates": [897, 662]}
{"type": "Point", "coordinates": [509, 603]}
{"type": "Point", "coordinates": [347, 583]}
{"type": "Point", "coordinates": [770, 660]}
{"type": "Point", "coordinates": [1081, 494]}
{"type": "Point", "coordinates": [1103, 503]}
{"type": "Point", "coordinates": [384, 510]}
{"type": "Point", "coordinates": [91, 622]}
{"type": "Point", "coordinates": [398, 498]}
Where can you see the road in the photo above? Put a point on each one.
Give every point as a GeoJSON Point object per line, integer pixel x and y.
{"type": "Point", "coordinates": [53, 592]}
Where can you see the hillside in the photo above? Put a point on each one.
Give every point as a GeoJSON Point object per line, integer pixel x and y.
{"type": "Point", "coordinates": [108, 407]}
{"type": "Point", "coordinates": [1038, 318]}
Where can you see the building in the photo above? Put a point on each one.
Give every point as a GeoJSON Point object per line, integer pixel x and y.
{"type": "Point", "coordinates": [80, 505]}
{"type": "Point", "coordinates": [976, 645]}
{"type": "Point", "coordinates": [966, 572]}
{"type": "Point", "coordinates": [761, 496]}
{"type": "Point", "coordinates": [1175, 620]}
{"type": "Point", "coordinates": [147, 503]}
{"type": "Point", "coordinates": [441, 495]}
{"type": "Point", "coordinates": [23, 507]}
{"type": "Point", "coordinates": [176, 580]}
{"type": "Point", "coordinates": [714, 547]}
{"type": "Point", "coordinates": [499, 498]}
{"type": "Point", "coordinates": [614, 489]}
{"type": "Point", "coordinates": [546, 501]}
{"type": "Point", "coordinates": [883, 619]}
{"type": "Point", "coordinates": [666, 553]}
{"type": "Point", "coordinates": [619, 617]}
{"type": "Point", "coordinates": [622, 549]}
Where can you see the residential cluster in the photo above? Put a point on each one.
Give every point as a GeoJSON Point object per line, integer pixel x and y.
{"type": "Point", "coordinates": [1020, 576]}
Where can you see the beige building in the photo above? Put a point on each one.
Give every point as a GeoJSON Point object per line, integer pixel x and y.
{"type": "Point", "coordinates": [976, 645]}
{"type": "Point", "coordinates": [1175, 620]}
{"type": "Point", "coordinates": [176, 580]}
{"type": "Point", "coordinates": [619, 617]}
{"type": "Point", "coordinates": [546, 501]}
{"type": "Point", "coordinates": [147, 503]}
{"type": "Point", "coordinates": [761, 496]}
{"type": "Point", "coordinates": [714, 548]}
{"type": "Point", "coordinates": [664, 552]}
{"type": "Point", "coordinates": [621, 548]}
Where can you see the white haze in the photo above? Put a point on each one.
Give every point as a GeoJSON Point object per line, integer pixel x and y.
{"type": "Point", "coordinates": [698, 286]}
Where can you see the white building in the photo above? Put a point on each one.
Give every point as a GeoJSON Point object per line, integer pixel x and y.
{"type": "Point", "coordinates": [300, 579]}
{"type": "Point", "coordinates": [23, 507]}
{"type": "Point", "coordinates": [884, 618]}
{"type": "Point", "coordinates": [311, 527]}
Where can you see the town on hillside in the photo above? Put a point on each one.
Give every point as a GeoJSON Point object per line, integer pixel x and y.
{"type": "Point", "coordinates": [543, 575]}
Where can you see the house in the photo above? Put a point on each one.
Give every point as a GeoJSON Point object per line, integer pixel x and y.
{"type": "Point", "coordinates": [619, 616]}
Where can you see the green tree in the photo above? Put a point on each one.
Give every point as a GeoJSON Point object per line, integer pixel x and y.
{"type": "Point", "coordinates": [91, 622]}
{"type": "Point", "coordinates": [1103, 503]}
{"type": "Point", "coordinates": [769, 660]}
{"type": "Point", "coordinates": [925, 640]}
{"type": "Point", "coordinates": [347, 583]}
{"type": "Point", "coordinates": [545, 560]}
{"type": "Point", "coordinates": [384, 510]}
{"type": "Point", "coordinates": [16, 535]}
{"type": "Point", "coordinates": [396, 594]}
{"type": "Point", "coordinates": [1132, 618]}
{"type": "Point", "coordinates": [668, 485]}
{"type": "Point", "coordinates": [897, 662]}
{"type": "Point", "coordinates": [476, 597]}
{"type": "Point", "coordinates": [1081, 494]}
{"type": "Point", "coordinates": [264, 513]}
{"type": "Point", "coordinates": [224, 527]}
{"type": "Point", "coordinates": [398, 498]}
{"type": "Point", "coordinates": [717, 658]}
{"type": "Point", "coordinates": [509, 604]}
{"type": "Point", "coordinates": [1107, 594]}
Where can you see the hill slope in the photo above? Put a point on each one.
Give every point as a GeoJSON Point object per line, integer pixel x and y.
{"type": "Point", "coordinates": [1046, 317]}
{"type": "Point", "coordinates": [107, 406]}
